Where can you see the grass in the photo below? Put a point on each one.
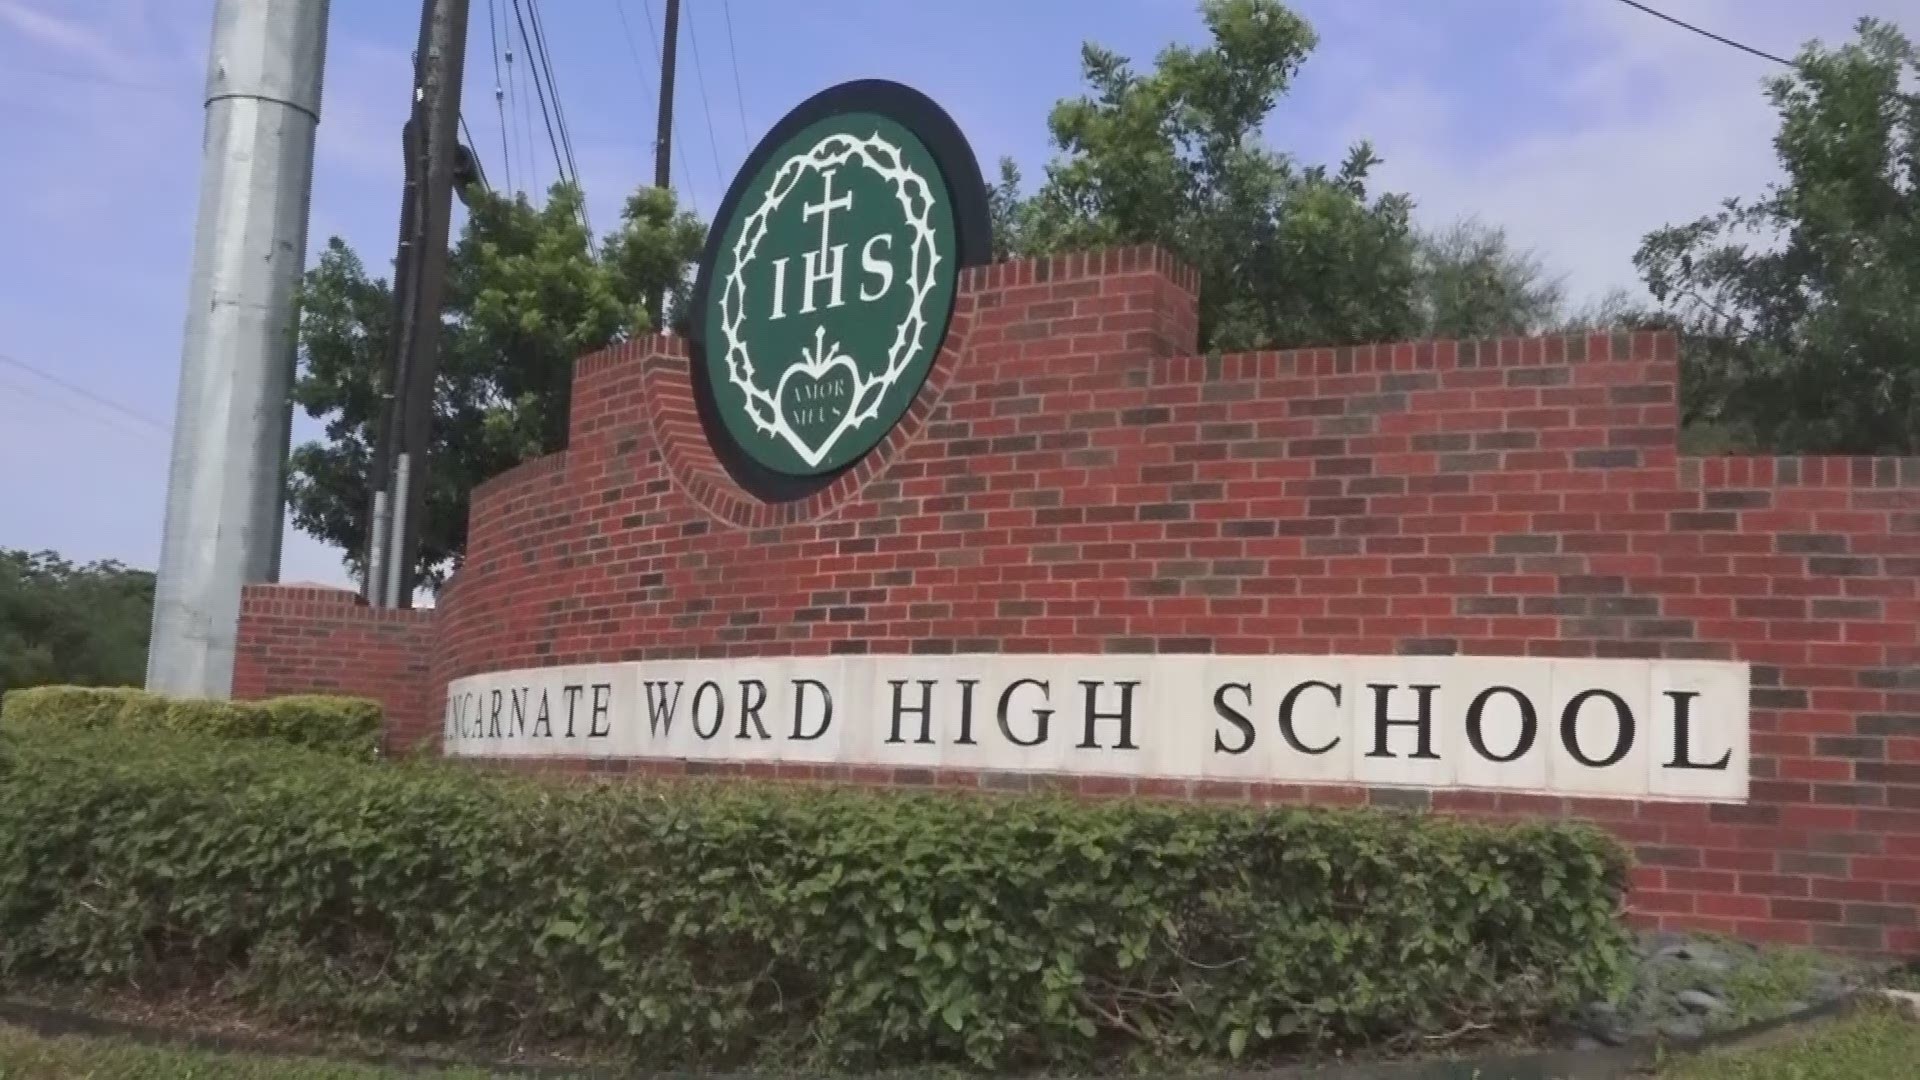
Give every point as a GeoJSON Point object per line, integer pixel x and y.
{"type": "Point", "coordinates": [1873, 1044]}
{"type": "Point", "coordinates": [28, 1057]}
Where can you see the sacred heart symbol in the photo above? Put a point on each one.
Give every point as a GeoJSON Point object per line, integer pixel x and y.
{"type": "Point", "coordinates": [816, 398]}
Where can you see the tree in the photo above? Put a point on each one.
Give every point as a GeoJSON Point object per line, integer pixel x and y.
{"type": "Point", "coordinates": [1471, 282]}
{"type": "Point", "coordinates": [1287, 255]}
{"type": "Point", "coordinates": [1007, 211]}
{"type": "Point", "coordinates": [1294, 255]}
{"type": "Point", "coordinates": [527, 294]}
{"type": "Point", "coordinates": [82, 625]}
{"type": "Point", "coordinates": [1804, 306]}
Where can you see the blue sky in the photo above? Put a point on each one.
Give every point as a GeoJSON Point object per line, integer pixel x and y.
{"type": "Point", "coordinates": [1577, 125]}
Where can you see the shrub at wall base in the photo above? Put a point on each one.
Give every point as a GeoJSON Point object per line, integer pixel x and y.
{"type": "Point", "coordinates": [804, 925]}
{"type": "Point", "coordinates": [341, 725]}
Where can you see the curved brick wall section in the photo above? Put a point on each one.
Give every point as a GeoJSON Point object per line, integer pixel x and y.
{"type": "Point", "coordinates": [1081, 482]}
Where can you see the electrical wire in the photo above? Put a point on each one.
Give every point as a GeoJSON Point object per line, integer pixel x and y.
{"type": "Point", "coordinates": [545, 115]}
{"type": "Point", "coordinates": [499, 92]}
{"type": "Point", "coordinates": [478, 165]}
{"type": "Point", "coordinates": [739, 95]}
{"type": "Point", "coordinates": [553, 87]}
{"type": "Point", "coordinates": [1706, 33]}
{"type": "Point", "coordinates": [101, 80]}
{"type": "Point", "coordinates": [706, 107]}
{"type": "Point", "coordinates": [626, 31]}
{"type": "Point", "coordinates": [543, 67]}
{"type": "Point", "coordinates": [524, 115]}
{"type": "Point", "coordinates": [28, 392]}
{"type": "Point", "coordinates": [640, 68]}
{"type": "Point", "coordinates": [86, 394]}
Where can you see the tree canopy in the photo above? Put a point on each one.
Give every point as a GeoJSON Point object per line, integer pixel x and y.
{"type": "Point", "coordinates": [1176, 157]}
{"type": "Point", "coordinates": [80, 625]}
{"type": "Point", "coordinates": [1803, 306]}
{"type": "Point", "coordinates": [528, 293]}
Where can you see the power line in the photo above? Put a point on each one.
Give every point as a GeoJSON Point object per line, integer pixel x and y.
{"type": "Point", "coordinates": [733, 57]}
{"type": "Point", "coordinates": [83, 392]}
{"type": "Point", "coordinates": [499, 92]}
{"type": "Point", "coordinates": [478, 165]}
{"type": "Point", "coordinates": [653, 39]}
{"type": "Point", "coordinates": [526, 40]}
{"type": "Point", "coordinates": [553, 86]}
{"type": "Point", "coordinates": [98, 79]}
{"type": "Point", "coordinates": [1707, 33]}
{"type": "Point", "coordinates": [626, 30]}
{"type": "Point", "coordinates": [706, 108]}
{"type": "Point", "coordinates": [29, 392]}
{"type": "Point", "coordinates": [562, 144]}
{"type": "Point", "coordinates": [524, 111]}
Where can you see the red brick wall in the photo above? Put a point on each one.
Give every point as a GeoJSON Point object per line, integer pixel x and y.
{"type": "Point", "coordinates": [1072, 479]}
{"type": "Point", "coordinates": [302, 639]}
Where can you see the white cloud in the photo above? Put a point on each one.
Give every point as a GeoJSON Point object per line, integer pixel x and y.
{"type": "Point", "coordinates": [1638, 124]}
{"type": "Point", "coordinates": [61, 35]}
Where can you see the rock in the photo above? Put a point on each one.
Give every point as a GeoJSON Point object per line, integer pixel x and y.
{"type": "Point", "coordinates": [1829, 985]}
{"type": "Point", "coordinates": [1682, 1027]}
{"type": "Point", "coordinates": [1601, 1020]}
{"type": "Point", "coordinates": [1660, 941]}
{"type": "Point", "coordinates": [1705, 957]}
{"type": "Point", "coordinates": [1700, 1001]}
{"type": "Point", "coordinates": [1601, 1011]}
{"type": "Point", "coordinates": [1906, 999]}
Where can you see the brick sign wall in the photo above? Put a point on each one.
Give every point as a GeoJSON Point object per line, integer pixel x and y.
{"type": "Point", "coordinates": [1072, 480]}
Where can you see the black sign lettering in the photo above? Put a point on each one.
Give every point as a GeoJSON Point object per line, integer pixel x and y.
{"type": "Point", "coordinates": [1124, 715]}
{"type": "Point", "coordinates": [543, 720]}
{"type": "Point", "coordinates": [1570, 734]}
{"type": "Point", "coordinates": [602, 705]}
{"type": "Point", "coordinates": [966, 711]}
{"type": "Point", "coordinates": [799, 708]}
{"type": "Point", "coordinates": [1422, 722]}
{"type": "Point", "coordinates": [661, 706]}
{"type": "Point", "coordinates": [750, 705]}
{"type": "Point", "coordinates": [572, 694]}
{"type": "Point", "coordinates": [517, 710]}
{"type": "Point", "coordinates": [1041, 717]}
{"type": "Point", "coordinates": [1286, 717]}
{"type": "Point", "coordinates": [1476, 723]}
{"type": "Point", "coordinates": [1682, 727]}
{"type": "Point", "coordinates": [719, 708]}
{"type": "Point", "coordinates": [924, 709]}
{"type": "Point", "coordinates": [1233, 716]}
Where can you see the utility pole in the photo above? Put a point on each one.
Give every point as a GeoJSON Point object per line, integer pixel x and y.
{"type": "Point", "coordinates": [225, 479]}
{"type": "Point", "coordinates": [663, 134]}
{"type": "Point", "coordinates": [431, 145]}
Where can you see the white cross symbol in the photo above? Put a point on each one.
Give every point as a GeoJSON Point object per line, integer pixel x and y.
{"type": "Point", "coordinates": [825, 208]}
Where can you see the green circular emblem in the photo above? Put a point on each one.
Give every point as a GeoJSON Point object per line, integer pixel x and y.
{"type": "Point", "coordinates": [829, 279]}
{"type": "Point", "coordinates": [833, 286]}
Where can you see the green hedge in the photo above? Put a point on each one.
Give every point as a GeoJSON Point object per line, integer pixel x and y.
{"type": "Point", "coordinates": [342, 725]}
{"type": "Point", "coordinates": [712, 925]}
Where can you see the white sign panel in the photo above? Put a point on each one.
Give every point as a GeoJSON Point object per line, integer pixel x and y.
{"type": "Point", "coordinates": [1660, 729]}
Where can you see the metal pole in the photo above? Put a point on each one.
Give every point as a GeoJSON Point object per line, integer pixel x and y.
{"type": "Point", "coordinates": [399, 347]}
{"type": "Point", "coordinates": [396, 567]}
{"type": "Point", "coordinates": [225, 493]}
{"type": "Point", "coordinates": [443, 57]}
{"type": "Point", "coordinates": [375, 586]}
{"type": "Point", "coordinates": [663, 135]}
